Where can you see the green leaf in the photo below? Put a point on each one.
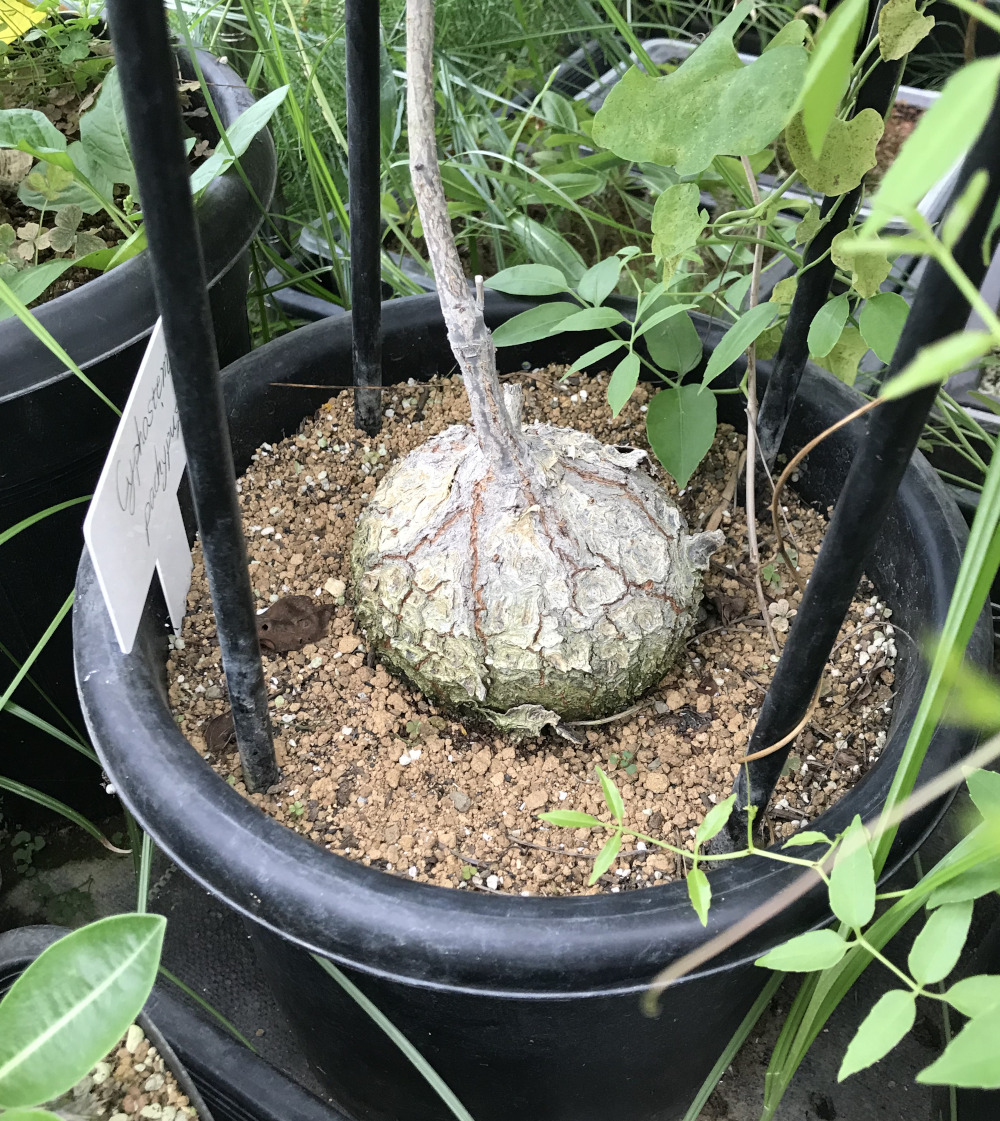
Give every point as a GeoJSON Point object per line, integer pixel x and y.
{"type": "Point", "coordinates": [30, 1115]}
{"type": "Point", "coordinates": [73, 1004]}
{"type": "Point", "coordinates": [714, 821]}
{"type": "Point", "coordinates": [536, 323]}
{"type": "Point", "coordinates": [984, 786]}
{"type": "Point", "coordinates": [677, 223]}
{"type": "Point", "coordinates": [236, 139]}
{"type": "Point", "coordinates": [819, 949]}
{"type": "Point", "coordinates": [30, 283]}
{"type": "Point", "coordinates": [807, 837]}
{"type": "Point", "coordinates": [808, 226]}
{"type": "Point", "coordinates": [700, 893]}
{"type": "Point", "coordinates": [104, 136]}
{"type": "Point", "coordinates": [936, 362]}
{"type": "Point", "coordinates": [557, 110]}
{"type": "Point", "coordinates": [962, 209]}
{"type": "Point", "coordinates": [829, 70]}
{"type": "Point", "coordinates": [661, 316]}
{"type": "Point", "coordinates": [605, 858]}
{"type": "Point", "coordinates": [592, 319]}
{"type": "Point", "coordinates": [868, 267]}
{"type": "Point", "coordinates": [848, 152]}
{"type": "Point", "coordinates": [599, 281]}
{"type": "Point", "coordinates": [29, 130]}
{"type": "Point", "coordinates": [942, 136]}
{"type": "Point", "coordinates": [594, 355]}
{"type": "Point", "coordinates": [560, 186]}
{"type": "Point", "coordinates": [970, 1059]}
{"type": "Point", "coordinates": [843, 360]}
{"type": "Point", "coordinates": [881, 321]}
{"type": "Point", "coordinates": [623, 381]}
{"type": "Point", "coordinates": [674, 344]}
{"type": "Point", "coordinates": [736, 340]}
{"type": "Point", "coordinates": [936, 948]}
{"type": "Point", "coordinates": [710, 105]}
{"type": "Point", "coordinates": [891, 1018]}
{"type": "Point", "coordinates": [827, 325]}
{"type": "Point", "coordinates": [570, 819]}
{"type": "Point", "coordinates": [784, 291]}
{"type": "Point", "coordinates": [612, 796]}
{"type": "Point", "coordinates": [972, 884]}
{"type": "Point", "coordinates": [793, 33]}
{"type": "Point", "coordinates": [973, 996]}
{"type": "Point", "coordinates": [529, 280]}
{"type": "Point", "coordinates": [547, 246]}
{"type": "Point", "coordinates": [900, 28]}
{"type": "Point", "coordinates": [973, 702]}
{"type": "Point", "coordinates": [852, 881]}
{"type": "Point", "coordinates": [680, 427]}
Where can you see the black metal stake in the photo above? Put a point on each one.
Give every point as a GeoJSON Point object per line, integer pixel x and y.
{"type": "Point", "coordinates": [893, 431]}
{"type": "Point", "coordinates": [814, 283]}
{"type": "Point", "coordinates": [148, 77]}
{"type": "Point", "coordinates": [363, 159]}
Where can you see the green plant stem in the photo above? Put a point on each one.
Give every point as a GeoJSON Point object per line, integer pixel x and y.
{"type": "Point", "coordinates": [434, 1080]}
{"type": "Point", "coordinates": [20, 309]}
{"type": "Point", "coordinates": [38, 648]}
{"type": "Point", "coordinates": [53, 804]}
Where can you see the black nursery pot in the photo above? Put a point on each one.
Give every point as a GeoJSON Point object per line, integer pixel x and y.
{"type": "Point", "coordinates": [56, 434]}
{"type": "Point", "coordinates": [527, 1007]}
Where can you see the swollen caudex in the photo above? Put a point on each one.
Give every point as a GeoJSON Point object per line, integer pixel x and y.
{"type": "Point", "coordinates": [563, 595]}
{"type": "Point", "coordinates": [530, 574]}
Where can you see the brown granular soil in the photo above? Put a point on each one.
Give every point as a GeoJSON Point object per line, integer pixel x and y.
{"type": "Point", "coordinates": [131, 1084]}
{"type": "Point", "coordinates": [373, 771]}
{"type": "Point", "coordinates": [902, 121]}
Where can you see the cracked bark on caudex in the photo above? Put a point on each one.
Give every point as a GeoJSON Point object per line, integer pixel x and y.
{"type": "Point", "coordinates": [527, 573]}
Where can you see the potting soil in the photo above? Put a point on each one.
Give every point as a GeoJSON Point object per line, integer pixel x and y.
{"type": "Point", "coordinates": [373, 771]}
{"type": "Point", "coordinates": [131, 1082]}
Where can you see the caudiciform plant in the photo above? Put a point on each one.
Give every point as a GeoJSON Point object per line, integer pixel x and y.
{"type": "Point", "coordinates": [526, 572]}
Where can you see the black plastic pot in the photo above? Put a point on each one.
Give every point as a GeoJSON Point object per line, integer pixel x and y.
{"type": "Point", "coordinates": [527, 1007]}
{"type": "Point", "coordinates": [212, 1068]}
{"type": "Point", "coordinates": [56, 434]}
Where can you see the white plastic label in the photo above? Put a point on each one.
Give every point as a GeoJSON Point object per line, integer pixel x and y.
{"type": "Point", "coordinates": [134, 523]}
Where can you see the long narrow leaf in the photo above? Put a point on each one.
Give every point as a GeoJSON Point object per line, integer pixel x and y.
{"type": "Point", "coordinates": [431, 1076]}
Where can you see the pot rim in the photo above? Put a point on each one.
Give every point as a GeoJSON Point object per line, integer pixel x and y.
{"type": "Point", "coordinates": [531, 947]}
{"type": "Point", "coordinates": [114, 310]}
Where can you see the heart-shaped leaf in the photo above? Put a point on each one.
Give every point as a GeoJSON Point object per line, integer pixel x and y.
{"type": "Point", "coordinates": [677, 223]}
{"type": "Point", "coordinates": [900, 28]}
{"type": "Point", "coordinates": [711, 105]}
{"type": "Point", "coordinates": [868, 268]}
{"type": "Point", "coordinates": [848, 152]}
